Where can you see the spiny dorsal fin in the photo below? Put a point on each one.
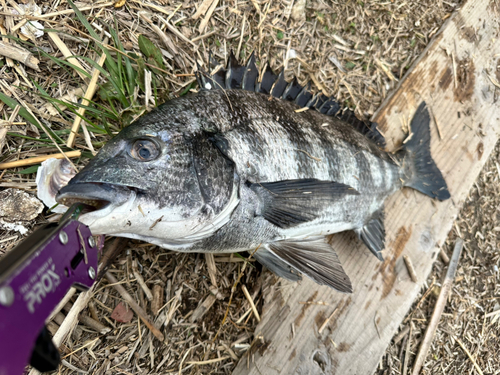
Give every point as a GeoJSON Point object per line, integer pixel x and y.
{"type": "Point", "coordinates": [245, 77]}
{"type": "Point", "coordinates": [279, 85]}
{"type": "Point", "coordinates": [267, 81]}
{"type": "Point", "coordinates": [251, 74]}
{"type": "Point", "coordinates": [234, 73]}
{"type": "Point", "coordinates": [292, 90]}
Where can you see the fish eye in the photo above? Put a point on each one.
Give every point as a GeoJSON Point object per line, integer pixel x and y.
{"type": "Point", "coordinates": [144, 150]}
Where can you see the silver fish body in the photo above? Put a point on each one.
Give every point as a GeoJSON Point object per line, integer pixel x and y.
{"type": "Point", "coordinates": [235, 170]}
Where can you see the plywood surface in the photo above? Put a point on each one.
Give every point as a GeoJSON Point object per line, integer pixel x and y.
{"type": "Point", "coordinates": [458, 77]}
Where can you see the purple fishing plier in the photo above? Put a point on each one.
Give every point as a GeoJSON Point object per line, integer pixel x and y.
{"type": "Point", "coordinates": [34, 278]}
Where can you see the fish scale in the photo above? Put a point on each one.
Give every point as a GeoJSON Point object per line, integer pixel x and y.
{"type": "Point", "coordinates": [247, 169]}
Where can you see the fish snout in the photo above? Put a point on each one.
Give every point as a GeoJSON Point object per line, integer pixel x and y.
{"type": "Point", "coordinates": [94, 195]}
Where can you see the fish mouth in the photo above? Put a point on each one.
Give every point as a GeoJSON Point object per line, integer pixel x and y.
{"type": "Point", "coordinates": [94, 196]}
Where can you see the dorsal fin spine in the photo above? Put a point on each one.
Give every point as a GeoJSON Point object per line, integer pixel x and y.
{"type": "Point", "coordinates": [246, 77]}
{"type": "Point", "coordinates": [250, 75]}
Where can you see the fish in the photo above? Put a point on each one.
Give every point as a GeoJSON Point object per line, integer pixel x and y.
{"type": "Point", "coordinates": [252, 162]}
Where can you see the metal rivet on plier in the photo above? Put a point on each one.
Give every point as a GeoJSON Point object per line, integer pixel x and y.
{"type": "Point", "coordinates": [63, 237]}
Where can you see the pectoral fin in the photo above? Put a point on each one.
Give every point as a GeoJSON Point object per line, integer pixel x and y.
{"type": "Point", "coordinates": [292, 202]}
{"type": "Point", "coordinates": [373, 234]}
{"type": "Point", "coordinates": [314, 258]}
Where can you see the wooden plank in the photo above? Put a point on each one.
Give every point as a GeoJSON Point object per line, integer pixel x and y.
{"type": "Point", "coordinates": [464, 104]}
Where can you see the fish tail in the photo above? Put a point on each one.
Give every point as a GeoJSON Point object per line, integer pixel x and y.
{"type": "Point", "coordinates": [420, 172]}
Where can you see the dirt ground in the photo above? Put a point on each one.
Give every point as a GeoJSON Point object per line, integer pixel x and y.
{"type": "Point", "coordinates": [355, 50]}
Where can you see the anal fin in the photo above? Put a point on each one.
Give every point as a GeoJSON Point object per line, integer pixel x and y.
{"type": "Point", "coordinates": [314, 258]}
{"type": "Point", "coordinates": [373, 233]}
{"type": "Point", "coordinates": [276, 265]}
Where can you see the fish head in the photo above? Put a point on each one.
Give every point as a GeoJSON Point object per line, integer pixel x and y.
{"type": "Point", "coordinates": [145, 184]}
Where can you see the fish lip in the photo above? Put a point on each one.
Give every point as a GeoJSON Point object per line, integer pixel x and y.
{"type": "Point", "coordinates": [94, 195]}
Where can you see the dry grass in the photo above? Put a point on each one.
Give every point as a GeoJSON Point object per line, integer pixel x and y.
{"type": "Point", "coordinates": [356, 51]}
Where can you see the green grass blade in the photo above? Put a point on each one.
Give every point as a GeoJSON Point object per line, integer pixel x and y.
{"type": "Point", "coordinates": [113, 79]}
{"type": "Point", "coordinates": [28, 138]}
{"type": "Point", "coordinates": [22, 112]}
{"type": "Point", "coordinates": [28, 117]}
{"type": "Point", "coordinates": [85, 22]}
{"type": "Point", "coordinates": [29, 170]}
{"type": "Point", "coordinates": [110, 63]}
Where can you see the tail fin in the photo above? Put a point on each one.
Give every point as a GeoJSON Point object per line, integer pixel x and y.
{"type": "Point", "coordinates": [420, 169]}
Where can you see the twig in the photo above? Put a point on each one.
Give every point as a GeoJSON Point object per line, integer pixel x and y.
{"type": "Point", "coordinates": [174, 30]}
{"type": "Point", "coordinates": [199, 37]}
{"type": "Point", "coordinates": [470, 356]}
{"type": "Point", "coordinates": [61, 303]}
{"type": "Point", "coordinates": [241, 36]}
{"type": "Point", "coordinates": [183, 359]}
{"type": "Point", "coordinates": [376, 325]}
{"type": "Point", "coordinates": [18, 26]}
{"type": "Point", "coordinates": [250, 300]}
{"type": "Point", "coordinates": [336, 62]}
{"type": "Point", "coordinates": [401, 335]}
{"type": "Point", "coordinates": [157, 302]}
{"type": "Point", "coordinates": [494, 81]}
{"type": "Point", "coordinates": [455, 81]}
{"type": "Point", "coordinates": [43, 127]}
{"type": "Point", "coordinates": [68, 55]}
{"type": "Point", "coordinates": [308, 154]}
{"type": "Point", "coordinates": [212, 269]}
{"type": "Point", "coordinates": [244, 316]}
{"type": "Point", "coordinates": [94, 324]}
{"type": "Point", "coordinates": [69, 11]}
{"type": "Point", "coordinates": [109, 255]}
{"type": "Point", "coordinates": [73, 368]}
{"type": "Point", "coordinates": [164, 37]}
{"type": "Point", "coordinates": [411, 269]}
{"type": "Point", "coordinates": [385, 70]}
{"type": "Point", "coordinates": [141, 281]}
{"type": "Point", "coordinates": [89, 94]}
{"type": "Point", "coordinates": [205, 20]}
{"type": "Point", "coordinates": [407, 353]}
{"type": "Point", "coordinates": [215, 360]}
{"type": "Point", "coordinates": [202, 9]}
{"type": "Point", "coordinates": [341, 47]}
{"type": "Point", "coordinates": [203, 308]}
{"type": "Point", "coordinates": [325, 323]}
{"type": "Point", "coordinates": [493, 313]}
{"type": "Point", "coordinates": [439, 307]}
{"type": "Point", "coordinates": [137, 309]}
{"type": "Point", "coordinates": [444, 257]}
{"type": "Point", "coordinates": [437, 124]}
{"type": "Point", "coordinates": [38, 159]}
{"type": "Point", "coordinates": [157, 8]}
{"type": "Point", "coordinates": [88, 343]}
{"type": "Point", "coordinates": [240, 275]}
{"type": "Point", "coordinates": [19, 54]}
{"type": "Point", "coordinates": [303, 109]}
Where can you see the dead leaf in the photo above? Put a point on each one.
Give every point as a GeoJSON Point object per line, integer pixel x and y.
{"type": "Point", "coordinates": [122, 313]}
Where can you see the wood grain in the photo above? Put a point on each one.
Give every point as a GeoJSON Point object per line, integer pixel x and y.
{"type": "Point", "coordinates": [464, 106]}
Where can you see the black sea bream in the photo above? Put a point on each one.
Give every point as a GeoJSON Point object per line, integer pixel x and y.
{"type": "Point", "coordinates": [240, 169]}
